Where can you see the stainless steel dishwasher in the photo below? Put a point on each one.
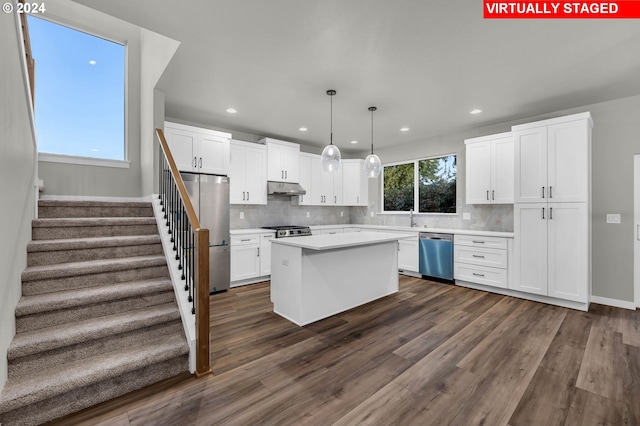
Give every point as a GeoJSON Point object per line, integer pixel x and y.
{"type": "Point", "coordinates": [436, 255]}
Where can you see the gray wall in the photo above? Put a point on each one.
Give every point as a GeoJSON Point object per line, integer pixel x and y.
{"type": "Point", "coordinates": [73, 179]}
{"type": "Point", "coordinates": [17, 171]}
{"type": "Point", "coordinates": [615, 139]}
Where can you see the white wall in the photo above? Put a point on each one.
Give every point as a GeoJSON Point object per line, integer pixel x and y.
{"type": "Point", "coordinates": [74, 179]}
{"type": "Point", "coordinates": [615, 138]}
{"type": "Point", "coordinates": [156, 53]}
{"type": "Point", "coordinates": [17, 170]}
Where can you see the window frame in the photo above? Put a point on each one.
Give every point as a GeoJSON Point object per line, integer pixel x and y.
{"type": "Point", "coordinates": [125, 163]}
{"type": "Point", "coordinates": [416, 186]}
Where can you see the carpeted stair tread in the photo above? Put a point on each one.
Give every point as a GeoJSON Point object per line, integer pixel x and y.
{"type": "Point", "coordinates": [89, 371]}
{"type": "Point", "coordinates": [49, 338]}
{"type": "Point", "coordinates": [36, 246]}
{"type": "Point", "coordinates": [91, 221]}
{"type": "Point", "coordinates": [47, 302]}
{"type": "Point", "coordinates": [32, 273]}
{"type": "Point", "coordinates": [53, 202]}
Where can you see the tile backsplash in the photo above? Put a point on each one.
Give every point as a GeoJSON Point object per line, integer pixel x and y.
{"type": "Point", "coordinates": [282, 210]}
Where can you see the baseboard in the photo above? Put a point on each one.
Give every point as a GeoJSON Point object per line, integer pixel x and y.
{"type": "Point", "coordinates": [613, 302]}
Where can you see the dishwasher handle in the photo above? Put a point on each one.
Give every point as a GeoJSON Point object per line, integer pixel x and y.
{"type": "Point", "coordinates": [435, 236]}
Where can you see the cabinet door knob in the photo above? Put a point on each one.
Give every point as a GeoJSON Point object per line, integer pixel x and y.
{"type": "Point", "coordinates": [286, 174]}
{"type": "Point", "coordinates": [543, 212]}
{"type": "Point", "coordinates": [478, 275]}
{"type": "Point", "coordinates": [200, 162]}
{"type": "Point", "coordinates": [550, 212]}
{"type": "Point", "coordinates": [543, 192]}
{"type": "Point", "coordinates": [493, 194]}
{"type": "Point", "coordinates": [195, 162]}
{"type": "Point", "coordinates": [551, 192]}
{"type": "Point", "coordinates": [247, 195]}
{"type": "Point", "coordinates": [243, 198]}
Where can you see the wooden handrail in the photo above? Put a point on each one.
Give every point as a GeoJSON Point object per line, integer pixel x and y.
{"type": "Point", "coordinates": [31, 63]}
{"type": "Point", "coordinates": [201, 281]}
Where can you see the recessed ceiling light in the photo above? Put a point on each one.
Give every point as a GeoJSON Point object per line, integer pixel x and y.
{"type": "Point", "coordinates": [231, 110]}
{"type": "Point", "coordinates": [92, 62]}
{"type": "Point", "coordinates": [404, 129]}
{"type": "Point", "coordinates": [475, 111]}
{"type": "Point", "coordinates": [354, 141]}
{"type": "Point", "coordinates": [303, 129]}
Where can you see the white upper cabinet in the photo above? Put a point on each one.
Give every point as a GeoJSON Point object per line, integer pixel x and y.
{"type": "Point", "coordinates": [355, 183]}
{"type": "Point", "coordinates": [326, 186]}
{"type": "Point", "coordinates": [198, 150]}
{"type": "Point", "coordinates": [248, 173]}
{"type": "Point", "coordinates": [552, 160]}
{"type": "Point", "coordinates": [305, 179]}
{"type": "Point", "coordinates": [489, 169]}
{"type": "Point", "coordinates": [283, 160]}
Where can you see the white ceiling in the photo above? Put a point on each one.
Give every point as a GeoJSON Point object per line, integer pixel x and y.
{"type": "Point", "coordinates": [424, 64]}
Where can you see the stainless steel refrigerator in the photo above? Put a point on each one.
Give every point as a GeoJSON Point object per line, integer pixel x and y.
{"type": "Point", "coordinates": [210, 198]}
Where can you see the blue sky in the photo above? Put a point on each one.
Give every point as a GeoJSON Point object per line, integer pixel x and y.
{"type": "Point", "coordinates": [79, 102]}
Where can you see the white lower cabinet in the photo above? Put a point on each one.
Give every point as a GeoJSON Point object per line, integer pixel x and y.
{"type": "Point", "coordinates": [551, 245]}
{"type": "Point", "coordinates": [408, 254]}
{"type": "Point", "coordinates": [265, 253]}
{"type": "Point", "coordinates": [481, 260]}
{"type": "Point", "coordinates": [250, 257]}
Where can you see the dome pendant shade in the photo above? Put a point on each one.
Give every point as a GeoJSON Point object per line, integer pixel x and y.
{"type": "Point", "coordinates": [372, 166]}
{"type": "Point", "coordinates": [331, 157]}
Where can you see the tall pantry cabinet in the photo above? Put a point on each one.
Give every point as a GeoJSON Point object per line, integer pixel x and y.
{"type": "Point", "coordinates": [552, 243]}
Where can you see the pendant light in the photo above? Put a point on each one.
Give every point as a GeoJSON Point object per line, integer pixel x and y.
{"type": "Point", "coordinates": [331, 154]}
{"type": "Point", "coordinates": [372, 164]}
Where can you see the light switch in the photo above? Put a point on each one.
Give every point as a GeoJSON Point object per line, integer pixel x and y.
{"type": "Point", "coordinates": [241, 215]}
{"type": "Point", "coordinates": [341, 214]}
{"type": "Point", "coordinates": [613, 218]}
{"type": "Point", "coordinates": [308, 214]}
{"type": "Point", "coordinates": [371, 214]}
{"type": "Point", "coordinates": [466, 216]}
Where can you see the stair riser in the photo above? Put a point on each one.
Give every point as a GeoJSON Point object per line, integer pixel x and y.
{"type": "Point", "coordinates": [47, 212]}
{"type": "Point", "coordinates": [78, 399]}
{"type": "Point", "coordinates": [30, 288]}
{"type": "Point", "coordinates": [33, 364]}
{"type": "Point", "coordinates": [55, 257]}
{"type": "Point", "coordinates": [62, 232]}
{"type": "Point", "coordinates": [64, 316]}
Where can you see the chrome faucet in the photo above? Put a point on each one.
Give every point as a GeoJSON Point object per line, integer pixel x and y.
{"type": "Point", "coordinates": [411, 218]}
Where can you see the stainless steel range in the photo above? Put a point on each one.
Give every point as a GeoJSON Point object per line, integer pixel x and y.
{"type": "Point", "coordinates": [290, 231]}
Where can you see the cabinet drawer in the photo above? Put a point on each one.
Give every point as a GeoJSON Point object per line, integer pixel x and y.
{"type": "Point", "coordinates": [482, 275]}
{"type": "Point", "coordinates": [241, 240]}
{"type": "Point", "coordinates": [477, 241]}
{"type": "Point", "coordinates": [483, 257]}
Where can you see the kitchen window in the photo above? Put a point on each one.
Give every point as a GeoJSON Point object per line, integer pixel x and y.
{"type": "Point", "coordinates": [429, 184]}
{"type": "Point", "coordinates": [79, 94]}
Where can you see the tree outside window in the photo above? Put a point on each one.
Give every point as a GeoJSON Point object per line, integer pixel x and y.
{"type": "Point", "coordinates": [435, 179]}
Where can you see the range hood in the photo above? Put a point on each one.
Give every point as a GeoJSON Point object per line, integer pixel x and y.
{"type": "Point", "coordinates": [285, 188]}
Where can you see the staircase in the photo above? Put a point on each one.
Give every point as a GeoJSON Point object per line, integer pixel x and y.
{"type": "Point", "coordinates": [98, 316]}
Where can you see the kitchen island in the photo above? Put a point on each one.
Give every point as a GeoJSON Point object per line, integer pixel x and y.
{"type": "Point", "coordinates": [315, 277]}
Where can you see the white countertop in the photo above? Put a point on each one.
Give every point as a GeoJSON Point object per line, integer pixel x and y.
{"type": "Point", "coordinates": [252, 231]}
{"type": "Point", "coordinates": [386, 228]}
{"type": "Point", "coordinates": [335, 241]}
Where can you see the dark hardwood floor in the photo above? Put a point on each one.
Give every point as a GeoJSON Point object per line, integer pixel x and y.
{"type": "Point", "coordinates": [430, 354]}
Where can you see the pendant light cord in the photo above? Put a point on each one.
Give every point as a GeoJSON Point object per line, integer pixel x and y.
{"type": "Point", "coordinates": [372, 109]}
{"type": "Point", "coordinates": [331, 118]}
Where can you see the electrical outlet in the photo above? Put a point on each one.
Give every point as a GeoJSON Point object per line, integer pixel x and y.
{"type": "Point", "coordinates": [308, 214]}
{"type": "Point", "coordinates": [341, 214]}
{"type": "Point", "coordinates": [466, 216]}
{"type": "Point", "coordinates": [371, 214]}
{"type": "Point", "coordinates": [613, 218]}
{"type": "Point", "coordinates": [241, 215]}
